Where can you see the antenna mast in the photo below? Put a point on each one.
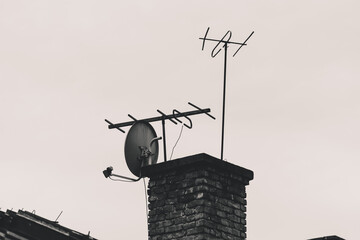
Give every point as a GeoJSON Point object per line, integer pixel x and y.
{"type": "Point", "coordinates": [213, 54]}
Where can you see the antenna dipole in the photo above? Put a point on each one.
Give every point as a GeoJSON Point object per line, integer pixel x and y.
{"type": "Point", "coordinates": [214, 53]}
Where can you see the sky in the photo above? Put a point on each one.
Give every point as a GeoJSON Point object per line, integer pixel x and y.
{"type": "Point", "coordinates": [292, 107]}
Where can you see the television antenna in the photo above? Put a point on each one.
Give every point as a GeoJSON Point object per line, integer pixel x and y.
{"type": "Point", "coordinates": [225, 40]}
{"type": "Point", "coordinates": [141, 144]}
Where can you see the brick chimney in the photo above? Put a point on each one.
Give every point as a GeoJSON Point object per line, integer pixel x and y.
{"type": "Point", "coordinates": [197, 197]}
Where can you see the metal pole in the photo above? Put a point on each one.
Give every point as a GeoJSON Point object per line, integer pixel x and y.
{"type": "Point", "coordinates": [164, 138]}
{"type": "Point", "coordinates": [223, 112]}
{"type": "Point", "coordinates": [127, 178]}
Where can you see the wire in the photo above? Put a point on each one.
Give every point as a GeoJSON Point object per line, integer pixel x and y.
{"type": "Point", "coordinates": [146, 203]}
{"type": "Point", "coordinates": [182, 127]}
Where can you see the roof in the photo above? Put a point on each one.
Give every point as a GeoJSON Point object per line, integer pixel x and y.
{"type": "Point", "coordinates": [333, 237]}
{"type": "Point", "coordinates": [23, 225]}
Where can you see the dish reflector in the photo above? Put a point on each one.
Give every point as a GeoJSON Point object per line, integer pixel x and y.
{"type": "Point", "coordinates": [141, 146]}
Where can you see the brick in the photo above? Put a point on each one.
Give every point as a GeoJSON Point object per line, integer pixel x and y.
{"type": "Point", "coordinates": [235, 232]}
{"type": "Point", "coordinates": [221, 214]}
{"type": "Point", "coordinates": [196, 230]}
{"type": "Point", "coordinates": [156, 231]}
{"type": "Point", "coordinates": [168, 208]}
{"type": "Point", "coordinates": [189, 225]}
{"type": "Point", "coordinates": [201, 181]}
{"type": "Point", "coordinates": [227, 236]}
{"type": "Point", "coordinates": [173, 215]}
{"type": "Point", "coordinates": [190, 211]}
{"type": "Point", "coordinates": [195, 217]}
{"type": "Point", "coordinates": [243, 207]}
{"type": "Point", "coordinates": [195, 203]}
{"type": "Point", "coordinates": [156, 217]}
{"type": "Point", "coordinates": [173, 228]}
{"type": "Point", "coordinates": [210, 210]}
{"type": "Point", "coordinates": [234, 218]}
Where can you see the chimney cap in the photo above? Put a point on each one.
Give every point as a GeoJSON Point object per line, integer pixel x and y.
{"type": "Point", "coordinates": [201, 159]}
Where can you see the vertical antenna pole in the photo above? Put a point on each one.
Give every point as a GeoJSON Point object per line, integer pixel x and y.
{"type": "Point", "coordinates": [223, 112]}
{"type": "Point", "coordinates": [164, 140]}
{"type": "Point", "coordinates": [213, 54]}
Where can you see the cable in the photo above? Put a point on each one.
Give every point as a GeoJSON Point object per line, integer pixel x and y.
{"type": "Point", "coordinates": [182, 127]}
{"type": "Point", "coordinates": [146, 203]}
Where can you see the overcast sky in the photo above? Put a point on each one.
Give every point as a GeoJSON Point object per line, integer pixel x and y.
{"type": "Point", "coordinates": [292, 107]}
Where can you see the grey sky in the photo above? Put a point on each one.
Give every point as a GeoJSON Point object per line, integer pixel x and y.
{"type": "Point", "coordinates": [292, 107]}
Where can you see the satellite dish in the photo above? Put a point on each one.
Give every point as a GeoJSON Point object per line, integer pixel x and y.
{"type": "Point", "coordinates": [141, 146]}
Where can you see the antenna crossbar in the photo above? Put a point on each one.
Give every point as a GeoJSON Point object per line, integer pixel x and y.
{"type": "Point", "coordinates": [223, 41]}
{"type": "Point", "coordinates": [165, 116]}
{"type": "Point", "coordinates": [172, 117]}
